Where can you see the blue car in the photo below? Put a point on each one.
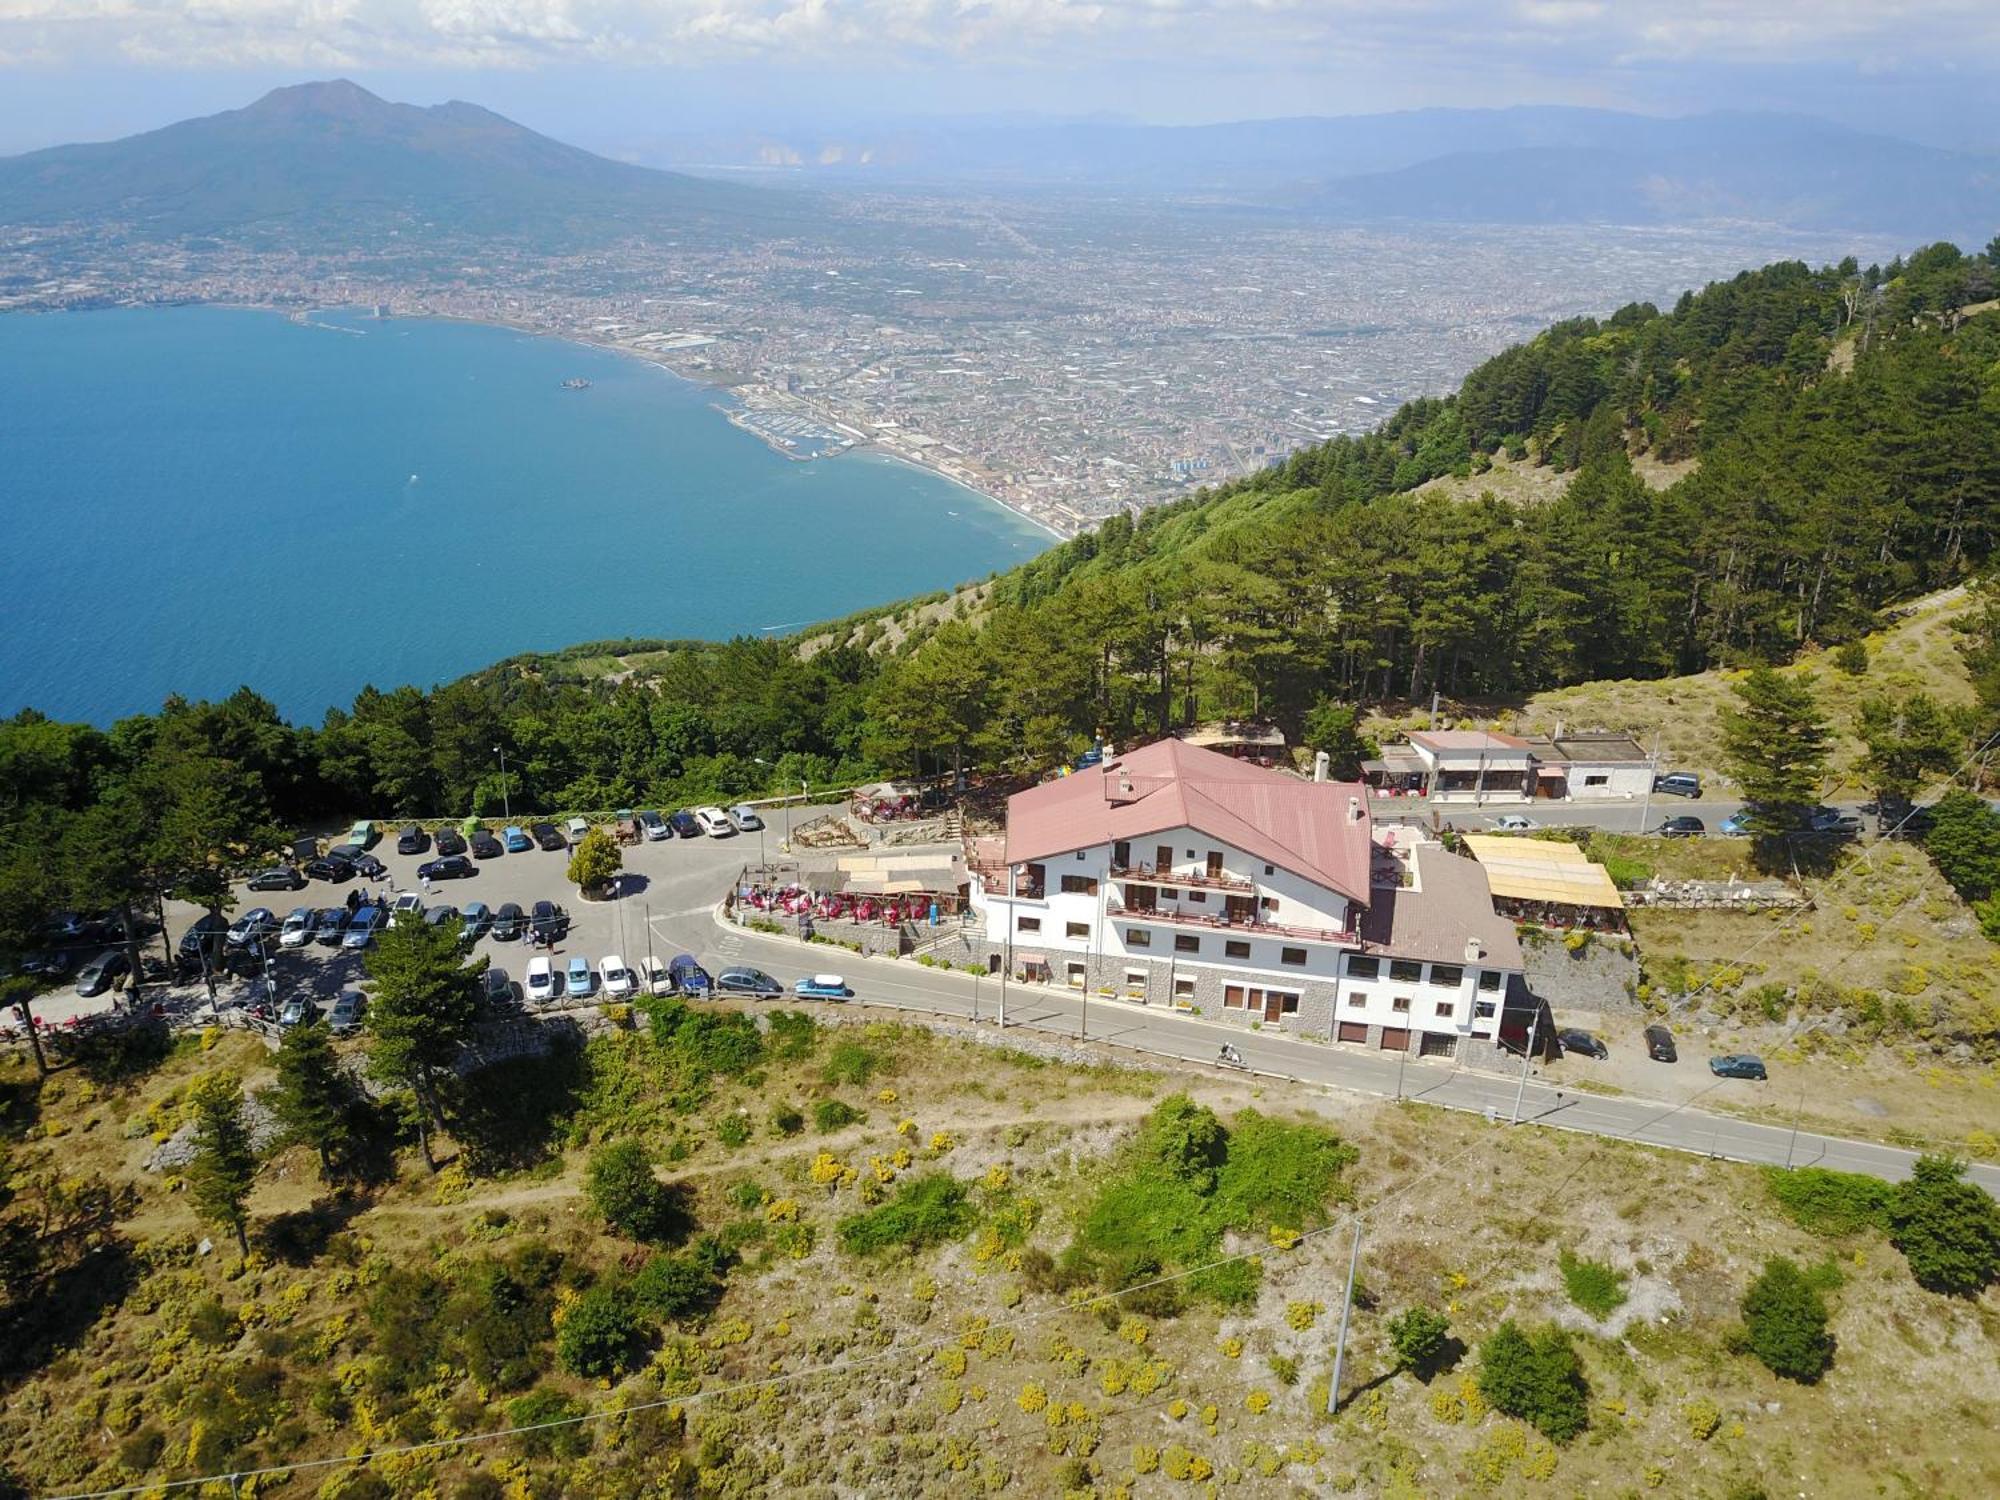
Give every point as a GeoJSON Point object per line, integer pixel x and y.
{"type": "Point", "coordinates": [577, 979]}
{"type": "Point", "coordinates": [516, 839]}
{"type": "Point", "coordinates": [685, 825]}
{"type": "Point", "coordinates": [823, 987]}
{"type": "Point", "coordinates": [689, 977]}
{"type": "Point", "coordinates": [1735, 826]}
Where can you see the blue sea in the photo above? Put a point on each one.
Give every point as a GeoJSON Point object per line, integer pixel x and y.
{"type": "Point", "coordinates": [198, 498]}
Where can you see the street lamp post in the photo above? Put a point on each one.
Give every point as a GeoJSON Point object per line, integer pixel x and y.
{"type": "Point", "coordinates": [1527, 1053]}
{"type": "Point", "coordinates": [506, 802]}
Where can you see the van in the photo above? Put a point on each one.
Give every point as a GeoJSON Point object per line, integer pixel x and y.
{"type": "Point", "coordinates": [1678, 784]}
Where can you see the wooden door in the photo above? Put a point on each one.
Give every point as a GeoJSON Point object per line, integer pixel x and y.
{"type": "Point", "coordinates": [1214, 864]}
{"type": "Point", "coordinates": [1273, 1004]}
{"type": "Point", "coordinates": [1239, 909]}
{"type": "Point", "coordinates": [1163, 858]}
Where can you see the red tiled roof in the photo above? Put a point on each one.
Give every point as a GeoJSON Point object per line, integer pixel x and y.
{"type": "Point", "coordinates": [1300, 826]}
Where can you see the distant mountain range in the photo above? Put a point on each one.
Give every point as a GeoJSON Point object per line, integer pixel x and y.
{"type": "Point", "coordinates": [1529, 165]}
{"type": "Point", "coordinates": [335, 162]}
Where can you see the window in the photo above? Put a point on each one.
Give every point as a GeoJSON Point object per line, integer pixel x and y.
{"type": "Point", "coordinates": [1121, 855]}
{"type": "Point", "coordinates": [1138, 937]}
{"type": "Point", "coordinates": [1079, 885]}
{"type": "Point", "coordinates": [1296, 957]}
{"type": "Point", "coordinates": [1232, 997]}
{"type": "Point", "coordinates": [1356, 999]}
{"type": "Point", "coordinates": [1450, 976]}
{"type": "Point", "coordinates": [1186, 942]}
{"type": "Point", "coordinates": [1076, 929]}
{"type": "Point", "coordinates": [1076, 979]}
{"type": "Point", "coordinates": [1288, 1005]}
{"type": "Point", "coordinates": [1363, 968]}
{"type": "Point", "coordinates": [1489, 980]}
{"type": "Point", "coordinates": [1168, 893]}
{"type": "Point", "coordinates": [1482, 1010]}
{"type": "Point", "coordinates": [1599, 780]}
{"type": "Point", "coordinates": [1400, 1004]}
{"type": "Point", "coordinates": [1447, 1007]}
{"type": "Point", "coordinates": [1190, 854]}
{"type": "Point", "coordinates": [1270, 903]}
{"type": "Point", "coordinates": [1184, 989]}
{"type": "Point", "coordinates": [1235, 950]}
{"type": "Point", "coordinates": [1270, 870]}
{"type": "Point", "coordinates": [1135, 979]}
{"type": "Point", "coordinates": [1028, 924]}
{"type": "Point", "coordinates": [1080, 853]}
{"type": "Point", "coordinates": [1406, 970]}
{"type": "Point", "coordinates": [1199, 898]}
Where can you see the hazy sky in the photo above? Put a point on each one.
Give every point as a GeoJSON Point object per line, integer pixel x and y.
{"type": "Point", "coordinates": [596, 70]}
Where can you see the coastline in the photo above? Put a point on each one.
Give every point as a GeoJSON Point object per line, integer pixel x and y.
{"type": "Point", "coordinates": [860, 445]}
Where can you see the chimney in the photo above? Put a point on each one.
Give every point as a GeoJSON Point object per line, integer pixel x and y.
{"type": "Point", "coordinates": [1473, 951]}
{"type": "Point", "coordinates": [1322, 763]}
{"type": "Point", "coordinates": [1353, 809]}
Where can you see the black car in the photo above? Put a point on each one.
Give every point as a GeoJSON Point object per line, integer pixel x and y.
{"type": "Point", "coordinates": [347, 1012]}
{"type": "Point", "coordinates": [684, 825]}
{"type": "Point", "coordinates": [452, 867]}
{"type": "Point", "coordinates": [506, 923]}
{"type": "Point", "coordinates": [205, 940]}
{"type": "Point", "coordinates": [1660, 1045]}
{"type": "Point", "coordinates": [1582, 1041]}
{"type": "Point", "coordinates": [1738, 1065]}
{"type": "Point", "coordinates": [369, 867]}
{"type": "Point", "coordinates": [549, 924]}
{"type": "Point", "coordinates": [496, 989]}
{"type": "Point", "coordinates": [350, 852]}
{"type": "Point", "coordinates": [1683, 827]}
{"type": "Point", "coordinates": [549, 837]}
{"type": "Point", "coordinates": [330, 868]}
{"type": "Point", "coordinates": [485, 846]}
{"type": "Point", "coordinates": [412, 840]}
{"type": "Point", "coordinates": [450, 841]}
{"type": "Point", "coordinates": [278, 878]}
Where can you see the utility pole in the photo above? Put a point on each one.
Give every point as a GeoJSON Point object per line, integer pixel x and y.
{"type": "Point", "coordinates": [975, 998]}
{"type": "Point", "coordinates": [1007, 963]}
{"type": "Point", "coordinates": [1401, 1058]}
{"type": "Point", "coordinates": [1793, 1144]}
{"type": "Point", "coordinates": [1346, 1312]}
{"type": "Point", "coordinates": [1522, 1087]}
{"type": "Point", "coordinates": [506, 802]}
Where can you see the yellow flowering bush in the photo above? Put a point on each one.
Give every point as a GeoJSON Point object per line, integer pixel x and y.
{"type": "Point", "coordinates": [826, 1169]}
{"type": "Point", "coordinates": [1032, 1398]}
{"type": "Point", "coordinates": [941, 1142]}
{"type": "Point", "coordinates": [782, 1211]}
{"type": "Point", "coordinates": [997, 1178]}
{"type": "Point", "coordinates": [1232, 1348]}
{"type": "Point", "coordinates": [906, 1127]}
{"type": "Point", "coordinates": [1257, 1403]}
{"type": "Point", "coordinates": [1302, 1315]}
{"type": "Point", "coordinates": [885, 1096]}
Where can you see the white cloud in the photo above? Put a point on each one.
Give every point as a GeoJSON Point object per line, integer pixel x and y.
{"type": "Point", "coordinates": [1567, 34]}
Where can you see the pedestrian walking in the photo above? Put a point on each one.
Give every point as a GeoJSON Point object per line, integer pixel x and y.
{"type": "Point", "coordinates": [425, 882]}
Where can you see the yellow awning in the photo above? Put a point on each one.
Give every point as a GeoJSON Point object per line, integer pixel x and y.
{"type": "Point", "coordinates": [1541, 870]}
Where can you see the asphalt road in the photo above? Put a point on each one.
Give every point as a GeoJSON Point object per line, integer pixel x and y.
{"type": "Point", "coordinates": [671, 891]}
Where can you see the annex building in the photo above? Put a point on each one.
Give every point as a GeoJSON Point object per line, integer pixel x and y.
{"type": "Point", "coordinates": [1178, 876]}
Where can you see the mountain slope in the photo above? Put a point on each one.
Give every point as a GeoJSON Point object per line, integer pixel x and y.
{"type": "Point", "coordinates": [332, 159]}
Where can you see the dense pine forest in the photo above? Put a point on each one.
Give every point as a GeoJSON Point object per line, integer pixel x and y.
{"type": "Point", "coordinates": [1832, 438]}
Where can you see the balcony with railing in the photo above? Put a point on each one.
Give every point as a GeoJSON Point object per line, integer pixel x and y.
{"type": "Point", "coordinates": [1238, 926]}
{"type": "Point", "coordinates": [1196, 879]}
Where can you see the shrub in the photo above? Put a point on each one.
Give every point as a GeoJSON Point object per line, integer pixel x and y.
{"type": "Point", "coordinates": [851, 1062]}
{"type": "Point", "coordinates": [1947, 1228]}
{"type": "Point", "coordinates": [793, 1035]}
{"type": "Point", "coordinates": [830, 1114]}
{"type": "Point", "coordinates": [1702, 1416]}
{"type": "Point", "coordinates": [1592, 1285]}
{"type": "Point", "coordinates": [1285, 1368]}
{"type": "Point", "coordinates": [1535, 1377]}
{"type": "Point", "coordinates": [673, 1287]}
{"type": "Point", "coordinates": [1784, 1320]}
{"type": "Point", "coordinates": [1852, 658]}
{"type": "Point", "coordinates": [599, 1335]}
{"type": "Point", "coordinates": [622, 1188]}
{"type": "Point", "coordinates": [706, 1043]}
{"type": "Point", "coordinates": [733, 1131]}
{"type": "Point", "coordinates": [1418, 1336]}
{"type": "Point", "coordinates": [927, 1210]}
{"type": "Point", "coordinates": [546, 1406]}
{"type": "Point", "coordinates": [1828, 1202]}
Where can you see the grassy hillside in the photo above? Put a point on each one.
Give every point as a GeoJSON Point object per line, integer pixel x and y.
{"type": "Point", "coordinates": [960, 1341]}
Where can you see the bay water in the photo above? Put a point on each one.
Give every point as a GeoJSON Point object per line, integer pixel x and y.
{"type": "Point", "coordinates": [197, 498]}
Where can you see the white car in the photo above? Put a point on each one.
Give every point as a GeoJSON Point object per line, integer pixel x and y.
{"type": "Point", "coordinates": [542, 983]}
{"type": "Point", "coordinates": [1513, 823]}
{"type": "Point", "coordinates": [656, 978]}
{"type": "Point", "coordinates": [620, 983]}
{"type": "Point", "coordinates": [409, 901]}
{"type": "Point", "coordinates": [577, 828]}
{"type": "Point", "coordinates": [714, 822]}
{"type": "Point", "coordinates": [299, 928]}
{"type": "Point", "coordinates": [744, 816]}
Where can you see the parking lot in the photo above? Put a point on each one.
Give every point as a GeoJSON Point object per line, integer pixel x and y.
{"type": "Point", "coordinates": [665, 895]}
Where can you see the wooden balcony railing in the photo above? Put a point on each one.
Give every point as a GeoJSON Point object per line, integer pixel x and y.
{"type": "Point", "coordinates": [1247, 928]}
{"type": "Point", "coordinates": [1199, 879]}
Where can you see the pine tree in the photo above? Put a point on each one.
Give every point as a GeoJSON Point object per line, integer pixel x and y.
{"type": "Point", "coordinates": [1785, 1321]}
{"type": "Point", "coordinates": [223, 1168]}
{"type": "Point", "coordinates": [1775, 746]}
{"type": "Point", "coordinates": [422, 1013]}
{"type": "Point", "coordinates": [1947, 1228]}
{"type": "Point", "coordinates": [313, 1094]}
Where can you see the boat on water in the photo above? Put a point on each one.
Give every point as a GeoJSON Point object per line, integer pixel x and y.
{"type": "Point", "coordinates": [576, 383]}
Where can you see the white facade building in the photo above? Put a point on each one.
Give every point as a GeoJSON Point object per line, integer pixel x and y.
{"type": "Point", "coordinates": [1172, 874]}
